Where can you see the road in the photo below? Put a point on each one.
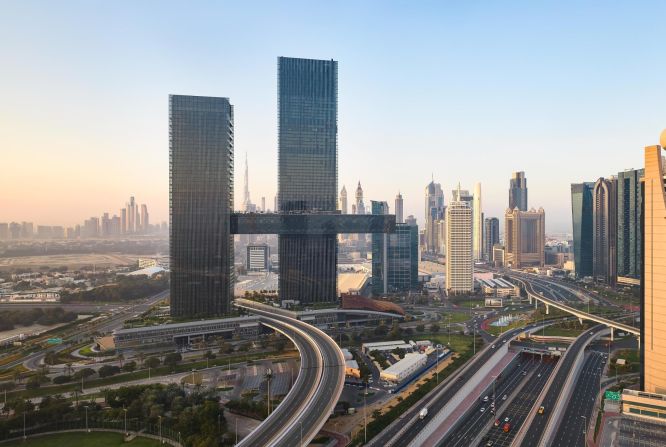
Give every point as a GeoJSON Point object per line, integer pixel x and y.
{"type": "Point", "coordinates": [572, 428]}
{"type": "Point", "coordinates": [308, 405]}
{"type": "Point", "coordinates": [520, 406]}
{"type": "Point", "coordinates": [536, 429]}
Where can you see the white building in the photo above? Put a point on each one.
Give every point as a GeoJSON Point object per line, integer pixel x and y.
{"type": "Point", "coordinates": [385, 346]}
{"type": "Point", "coordinates": [459, 260]}
{"type": "Point", "coordinates": [478, 223]}
{"type": "Point", "coordinates": [404, 368]}
{"type": "Point", "coordinates": [258, 258]}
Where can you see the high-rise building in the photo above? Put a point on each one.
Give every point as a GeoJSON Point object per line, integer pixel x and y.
{"type": "Point", "coordinates": [105, 227]}
{"type": "Point", "coordinates": [258, 258]}
{"type": "Point", "coordinates": [653, 279]}
{"type": "Point", "coordinates": [131, 215]}
{"type": "Point", "coordinates": [247, 203]}
{"type": "Point", "coordinates": [15, 230]}
{"type": "Point", "coordinates": [263, 204]}
{"type": "Point", "coordinates": [398, 208]}
{"type": "Point", "coordinates": [525, 238]}
{"type": "Point", "coordinates": [90, 228]}
{"type": "Point", "coordinates": [518, 191]}
{"type": "Point", "coordinates": [307, 174]}
{"type": "Point", "coordinates": [604, 230]}
{"type": "Point", "coordinates": [4, 231]}
{"type": "Point", "coordinates": [145, 222]}
{"type": "Point", "coordinates": [490, 237]}
{"type": "Point", "coordinates": [478, 223]}
{"type": "Point", "coordinates": [629, 205]}
{"type": "Point", "coordinates": [410, 220]}
{"type": "Point", "coordinates": [201, 196]}
{"type": "Point", "coordinates": [360, 205]}
{"type": "Point", "coordinates": [434, 211]}
{"type": "Point", "coordinates": [343, 200]}
{"type": "Point", "coordinates": [394, 257]}
{"type": "Point", "coordinates": [459, 256]}
{"type": "Point", "coordinates": [123, 220]}
{"type": "Point", "coordinates": [27, 230]}
{"type": "Point", "coordinates": [581, 216]}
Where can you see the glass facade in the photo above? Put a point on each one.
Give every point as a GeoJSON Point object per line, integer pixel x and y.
{"type": "Point", "coordinates": [310, 224]}
{"type": "Point", "coordinates": [395, 257]}
{"type": "Point", "coordinates": [629, 235]}
{"type": "Point", "coordinates": [581, 215]}
{"type": "Point", "coordinates": [307, 174]}
{"type": "Point", "coordinates": [201, 154]}
{"type": "Point", "coordinates": [518, 191]}
{"type": "Point", "coordinates": [490, 237]}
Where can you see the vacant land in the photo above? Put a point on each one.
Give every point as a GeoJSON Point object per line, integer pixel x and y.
{"type": "Point", "coordinates": [72, 261]}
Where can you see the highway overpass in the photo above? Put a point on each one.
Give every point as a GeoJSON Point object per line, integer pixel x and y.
{"type": "Point", "coordinates": [307, 406]}
{"type": "Point", "coordinates": [548, 302]}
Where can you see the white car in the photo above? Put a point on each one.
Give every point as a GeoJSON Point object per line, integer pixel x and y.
{"type": "Point", "coordinates": [483, 409]}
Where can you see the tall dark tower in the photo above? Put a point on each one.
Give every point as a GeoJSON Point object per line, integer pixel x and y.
{"type": "Point", "coordinates": [518, 191]}
{"type": "Point", "coordinates": [307, 174]}
{"type": "Point", "coordinates": [201, 196]}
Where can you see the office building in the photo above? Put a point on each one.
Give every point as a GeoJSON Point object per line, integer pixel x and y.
{"type": "Point", "coordinates": [44, 232]}
{"type": "Point", "coordinates": [459, 257]}
{"type": "Point", "coordinates": [145, 222]}
{"type": "Point", "coordinates": [15, 230]}
{"type": "Point", "coordinates": [604, 230]}
{"type": "Point", "coordinates": [343, 201]}
{"type": "Point", "coordinates": [629, 235]}
{"type": "Point", "coordinates": [258, 258]}
{"type": "Point", "coordinates": [263, 204]}
{"type": "Point", "coordinates": [434, 211]}
{"type": "Point", "coordinates": [4, 231]}
{"type": "Point", "coordinates": [525, 238]}
{"type": "Point", "coordinates": [581, 217]}
{"type": "Point", "coordinates": [490, 237]}
{"type": "Point", "coordinates": [360, 205]}
{"type": "Point", "coordinates": [477, 236]}
{"type": "Point", "coordinates": [398, 208]}
{"type": "Point", "coordinates": [27, 230]}
{"type": "Point", "coordinates": [307, 176]}
{"type": "Point", "coordinates": [248, 206]}
{"type": "Point", "coordinates": [131, 215]}
{"type": "Point", "coordinates": [201, 154]}
{"type": "Point", "coordinates": [653, 280]}
{"type": "Point", "coordinates": [395, 257]}
{"type": "Point", "coordinates": [123, 220]}
{"type": "Point", "coordinates": [498, 255]}
{"type": "Point", "coordinates": [518, 191]}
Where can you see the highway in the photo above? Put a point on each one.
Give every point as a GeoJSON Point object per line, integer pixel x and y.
{"type": "Point", "coordinates": [474, 421]}
{"type": "Point", "coordinates": [572, 426]}
{"type": "Point", "coordinates": [521, 405]}
{"type": "Point", "coordinates": [538, 425]}
{"type": "Point", "coordinates": [308, 405]}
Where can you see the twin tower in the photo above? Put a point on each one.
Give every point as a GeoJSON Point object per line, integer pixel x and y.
{"type": "Point", "coordinates": [201, 194]}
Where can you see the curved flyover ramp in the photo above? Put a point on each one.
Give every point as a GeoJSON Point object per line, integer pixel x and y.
{"type": "Point", "coordinates": [307, 406]}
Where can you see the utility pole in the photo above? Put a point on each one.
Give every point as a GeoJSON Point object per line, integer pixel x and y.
{"type": "Point", "coordinates": [584, 431]}
{"type": "Point", "coordinates": [365, 415]}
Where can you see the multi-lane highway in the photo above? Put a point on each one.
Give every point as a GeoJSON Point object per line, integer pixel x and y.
{"type": "Point", "coordinates": [578, 411]}
{"type": "Point", "coordinates": [305, 409]}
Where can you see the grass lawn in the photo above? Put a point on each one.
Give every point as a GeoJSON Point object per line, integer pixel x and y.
{"type": "Point", "coordinates": [459, 343]}
{"type": "Point", "coordinates": [497, 330]}
{"type": "Point", "coordinates": [456, 317]}
{"type": "Point", "coordinates": [559, 331]}
{"type": "Point", "coordinates": [98, 439]}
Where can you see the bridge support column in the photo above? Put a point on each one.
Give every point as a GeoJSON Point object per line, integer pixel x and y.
{"type": "Point", "coordinates": [529, 297]}
{"type": "Point", "coordinates": [580, 320]}
{"type": "Point", "coordinates": [535, 303]}
{"type": "Point", "coordinates": [547, 309]}
{"type": "Point", "coordinates": [611, 333]}
{"type": "Point", "coordinates": [639, 342]}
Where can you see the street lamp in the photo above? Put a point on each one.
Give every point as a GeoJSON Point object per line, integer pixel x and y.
{"type": "Point", "coordinates": [86, 407]}
{"type": "Point", "coordinates": [301, 421]}
{"type": "Point", "coordinates": [125, 411]}
{"type": "Point", "coordinates": [160, 430]}
{"type": "Point", "coordinates": [584, 430]}
{"type": "Point", "coordinates": [24, 425]}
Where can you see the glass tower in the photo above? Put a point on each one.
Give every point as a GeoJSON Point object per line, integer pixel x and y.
{"type": "Point", "coordinates": [581, 216]}
{"type": "Point", "coordinates": [201, 155]}
{"type": "Point", "coordinates": [307, 174]}
{"type": "Point", "coordinates": [629, 205]}
{"type": "Point", "coordinates": [518, 191]}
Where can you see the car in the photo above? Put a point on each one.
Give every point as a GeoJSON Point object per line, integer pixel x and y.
{"type": "Point", "coordinates": [503, 341]}
{"type": "Point", "coordinates": [489, 443]}
{"type": "Point", "coordinates": [497, 422]}
{"type": "Point", "coordinates": [541, 409]}
{"type": "Point", "coordinates": [485, 398]}
{"type": "Point", "coordinates": [504, 397]}
{"type": "Point", "coordinates": [493, 346]}
{"type": "Point", "coordinates": [506, 419]}
{"type": "Point", "coordinates": [483, 409]}
{"type": "Point", "coordinates": [524, 372]}
{"type": "Point", "coordinates": [539, 375]}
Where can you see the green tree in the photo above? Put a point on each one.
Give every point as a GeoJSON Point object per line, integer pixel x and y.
{"type": "Point", "coordinates": [172, 359]}
{"type": "Point", "coordinates": [434, 328]}
{"type": "Point", "coordinates": [152, 362]}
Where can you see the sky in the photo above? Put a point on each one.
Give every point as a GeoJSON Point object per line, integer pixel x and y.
{"type": "Point", "coordinates": [455, 91]}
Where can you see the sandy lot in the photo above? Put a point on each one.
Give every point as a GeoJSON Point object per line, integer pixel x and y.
{"type": "Point", "coordinates": [72, 262]}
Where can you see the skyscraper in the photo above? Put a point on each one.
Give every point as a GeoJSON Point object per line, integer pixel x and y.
{"type": "Point", "coordinates": [343, 200]}
{"type": "Point", "coordinates": [518, 191]}
{"type": "Point", "coordinates": [581, 216]}
{"type": "Point", "coordinates": [629, 204]}
{"type": "Point", "coordinates": [653, 280]}
{"type": "Point", "coordinates": [490, 237]}
{"type": "Point", "coordinates": [459, 259]}
{"type": "Point", "coordinates": [394, 257]}
{"type": "Point", "coordinates": [247, 203]}
{"type": "Point", "coordinates": [307, 176]}
{"type": "Point", "coordinates": [398, 208]}
{"type": "Point", "coordinates": [478, 223]}
{"type": "Point", "coordinates": [360, 205]}
{"type": "Point", "coordinates": [525, 238]}
{"type": "Point", "coordinates": [131, 215]}
{"type": "Point", "coordinates": [201, 154]}
{"type": "Point", "coordinates": [145, 224]}
{"type": "Point", "coordinates": [604, 230]}
{"type": "Point", "coordinates": [434, 211]}
{"type": "Point", "coordinates": [123, 220]}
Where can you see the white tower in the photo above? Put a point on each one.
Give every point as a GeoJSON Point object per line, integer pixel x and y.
{"type": "Point", "coordinates": [478, 223]}
{"type": "Point", "coordinates": [459, 262]}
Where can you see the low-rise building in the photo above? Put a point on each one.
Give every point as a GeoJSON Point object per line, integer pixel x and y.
{"type": "Point", "coordinates": [404, 368]}
{"type": "Point", "coordinates": [498, 287]}
{"type": "Point", "coordinates": [385, 346]}
{"type": "Point", "coordinates": [650, 406]}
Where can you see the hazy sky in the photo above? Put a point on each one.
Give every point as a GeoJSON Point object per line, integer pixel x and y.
{"type": "Point", "coordinates": [465, 91]}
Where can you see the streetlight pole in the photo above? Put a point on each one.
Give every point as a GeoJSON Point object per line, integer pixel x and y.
{"type": "Point", "coordinates": [125, 410]}
{"type": "Point", "coordinates": [301, 421]}
{"type": "Point", "coordinates": [474, 339]}
{"type": "Point", "coordinates": [437, 364]}
{"type": "Point", "coordinates": [161, 441]}
{"type": "Point", "coordinates": [365, 415]}
{"type": "Point", "coordinates": [24, 425]}
{"type": "Point", "coordinates": [86, 407]}
{"type": "Point", "coordinates": [584, 430]}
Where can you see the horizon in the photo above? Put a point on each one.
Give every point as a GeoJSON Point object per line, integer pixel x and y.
{"type": "Point", "coordinates": [588, 90]}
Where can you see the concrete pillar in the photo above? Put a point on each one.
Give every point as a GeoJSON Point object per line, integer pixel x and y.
{"type": "Point", "coordinates": [535, 303]}
{"type": "Point", "coordinates": [638, 338]}
{"type": "Point", "coordinates": [580, 320]}
{"type": "Point", "coordinates": [529, 297]}
{"type": "Point", "coordinates": [611, 333]}
{"type": "Point", "coordinates": [547, 309]}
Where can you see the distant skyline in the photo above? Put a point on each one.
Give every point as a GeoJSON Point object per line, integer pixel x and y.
{"type": "Point", "coordinates": [462, 92]}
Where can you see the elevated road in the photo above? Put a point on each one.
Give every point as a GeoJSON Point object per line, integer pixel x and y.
{"type": "Point", "coordinates": [307, 406]}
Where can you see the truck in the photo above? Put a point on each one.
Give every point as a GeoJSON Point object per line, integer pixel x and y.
{"type": "Point", "coordinates": [423, 413]}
